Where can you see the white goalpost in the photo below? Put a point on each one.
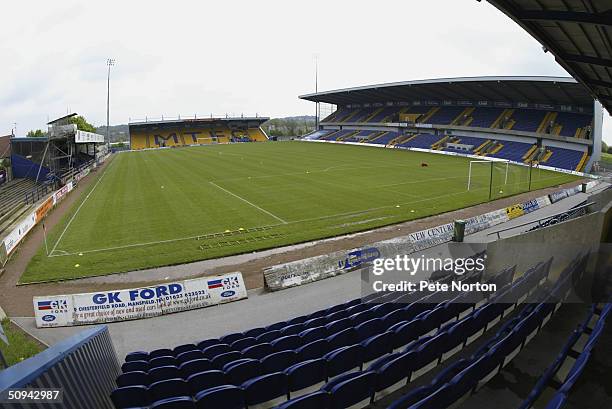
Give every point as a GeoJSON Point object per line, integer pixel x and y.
{"type": "Point", "coordinates": [490, 163]}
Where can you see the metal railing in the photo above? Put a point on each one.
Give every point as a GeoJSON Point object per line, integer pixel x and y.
{"type": "Point", "coordinates": [576, 211]}
{"type": "Point", "coordinates": [39, 192]}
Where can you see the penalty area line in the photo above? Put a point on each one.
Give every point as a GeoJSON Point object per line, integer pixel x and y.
{"type": "Point", "coordinates": [249, 203]}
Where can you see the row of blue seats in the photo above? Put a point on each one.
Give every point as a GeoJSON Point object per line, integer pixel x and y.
{"type": "Point", "coordinates": [398, 369]}
{"type": "Point", "coordinates": [464, 378]}
{"type": "Point", "coordinates": [299, 377]}
{"type": "Point", "coordinates": [569, 350]}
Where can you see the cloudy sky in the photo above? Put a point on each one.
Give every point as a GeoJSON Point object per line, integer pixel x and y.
{"type": "Point", "coordinates": [202, 57]}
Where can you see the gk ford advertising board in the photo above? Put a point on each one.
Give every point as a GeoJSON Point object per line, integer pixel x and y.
{"type": "Point", "coordinates": [137, 303]}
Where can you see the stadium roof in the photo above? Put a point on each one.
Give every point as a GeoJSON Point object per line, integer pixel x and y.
{"type": "Point", "coordinates": [186, 121]}
{"type": "Point", "coordinates": [577, 32]}
{"type": "Point", "coordinates": [541, 90]}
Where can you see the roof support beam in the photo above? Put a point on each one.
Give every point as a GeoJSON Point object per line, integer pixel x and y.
{"type": "Point", "coordinates": [601, 19]}
{"type": "Point", "coordinates": [599, 83]}
{"type": "Point", "coordinates": [604, 62]}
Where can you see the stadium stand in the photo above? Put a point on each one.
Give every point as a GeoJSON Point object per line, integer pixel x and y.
{"type": "Point", "coordinates": [353, 353]}
{"type": "Point", "coordinates": [564, 158]}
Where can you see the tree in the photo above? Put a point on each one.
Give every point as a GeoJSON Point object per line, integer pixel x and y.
{"type": "Point", "coordinates": [82, 124]}
{"type": "Point", "coordinates": [604, 147]}
{"type": "Point", "coordinates": [39, 133]}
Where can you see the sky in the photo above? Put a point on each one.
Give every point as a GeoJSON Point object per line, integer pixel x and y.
{"type": "Point", "coordinates": [240, 57]}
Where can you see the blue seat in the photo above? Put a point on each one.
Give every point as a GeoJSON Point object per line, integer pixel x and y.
{"type": "Point", "coordinates": [170, 388]}
{"type": "Point", "coordinates": [221, 360]}
{"type": "Point", "coordinates": [244, 371]}
{"type": "Point", "coordinates": [377, 346]}
{"type": "Point", "coordinates": [287, 342]}
{"type": "Point", "coordinates": [258, 351]}
{"type": "Point", "coordinates": [393, 318]}
{"type": "Point", "coordinates": [316, 314]}
{"type": "Point", "coordinates": [197, 365]}
{"type": "Point", "coordinates": [338, 325]}
{"type": "Point", "coordinates": [315, 400]}
{"type": "Point", "coordinates": [206, 380]}
{"type": "Point", "coordinates": [392, 373]}
{"type": "Point", "coordinates": [369, 328]}
{"type": "Point", "coordinates": [189, 356]}
{"type": "Point", "coordinates": [207, 343]}
{"type": "Point", "coordinates": [297, 320]}
{"type": "Point", "coordinates": [363, 316]}
{"type": "Point", "coordinates": [406, 333]}
{"type": "Point", "coordinates": [313, 334]}
{"type": "Point", "coordinates": [133, 378]}
{"type": "Point", "coordinates": [137, 356]}
{"type": "Point", "coordinates": [243, 343]}
{"type": "Point", "coordinates": [184, 348]}
{"type": "Point", "coordinates": [266, 390]}
{"type": "Point", "coordinates": [335, 316]}
{"type": "Point", "coordinates": [164, 372]}
{"type": "Point", "coordinates": [342, 338]}
{"type": "Point", "coordinates": [357, 308]}
{"type": "Point", "coordinates": [276, 326]}
{"type": "Point", "coordinates": [254, 332]}
{"type": "Point", "coordinates": [163, 361]}
{"type": "Point", "coordinates": [356, 390]}
{"type": "Point", "coordinates": [268, 336]}
{"type": "Point", "coordinates": [214, 350]}
{"type": "Point", "coordinates": [344, 359]}
{"type": "Point", "coordinates": [231, 338]}
{"type": "Point", "coordinates": [313, 350]}
{"type": "Point", "coordinates": [307, 375]}
{"type": "Point", "coordinates": [160, 352]}
{"type": "Point", "coordinates": [279, 361]}
{"type": "Point", "coordinates": [314, 322]}
{"type": "Point", "coordinates": [450, 371]}
{"type": "Point", "coordinates": [292, 329]}
{"type": "Point", "coordinates": [439, 398]}
{"type": "Point", "coordinates": [182, 402]}
{"type": "Point", "coordinates": [130, 397]}
{"type": "Point", "coordinates": [221, 397]}
{"type": "Point", "coordinates": [133, 366]}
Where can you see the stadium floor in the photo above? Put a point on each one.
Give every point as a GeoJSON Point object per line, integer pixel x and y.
{"type": "Point", "coordinates": [166, 207]}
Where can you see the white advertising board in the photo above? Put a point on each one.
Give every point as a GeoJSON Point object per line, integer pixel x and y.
{"type": "Point", "coordinates": [137, 303]}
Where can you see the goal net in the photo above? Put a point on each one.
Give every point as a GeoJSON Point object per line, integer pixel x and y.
{"type": "Point", "coordinates": [495, 179]}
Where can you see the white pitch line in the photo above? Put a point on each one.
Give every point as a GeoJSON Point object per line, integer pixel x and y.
{"type": "Point", "coordinates": [78, 209]}
{"type": "Point", "coordinates": [252, 204]}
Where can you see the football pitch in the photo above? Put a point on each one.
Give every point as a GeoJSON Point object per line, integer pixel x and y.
{"type": "Point", "coordinates": [172, 206]}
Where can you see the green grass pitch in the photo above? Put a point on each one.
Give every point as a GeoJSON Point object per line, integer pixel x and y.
{"type": "Point", "coordinates": [165, 207]}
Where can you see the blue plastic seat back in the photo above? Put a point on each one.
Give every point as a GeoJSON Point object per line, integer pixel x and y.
{"type": "Point", "coordinates": [243, 343]}
{"type": "Point", "coordinates": [244, 371]}
{"type": "Point", "coordinates": [287, 342]}
{"type": "Point", "coordinates": [221, 360]}
{"type": "Point", "coordinates": [313, 350]}
{"type": "Point", "coordinates": [170, 388]}
{"type": "Point", "coordinates": [202, 345]}
{"type": "Point", "coordinates": [393, 370]}
{"type": "Point", "coordinates": [137, 356]}
{"type": "Point", "coordinates": [254, 332]}
{"type": "Point", "coordinates": [268, 336]}
{"type": "Point", "coordinates": [265, 388]}
{"type": "Point", "coordinates": [342, 338]}
{"type": "Point", "coordinates": [412, 397]}
{"type": "Point", "coordinates": [132, 366]}
{"type": "Point", "coordinates": [406, 333]}
{"type": "Point", "coordinates": [164, 372]}
{"type": "Point", "coordinates": [352, 391]}
{"type": "Point", "coordinates": [313, 334]}
{"type": "Point", "coordinates": [231, 338]}
{"type": "Point", "coordinates": [195, 366]}
{"type": "Point", "coordinates": [279, 361]}
{"type": "Point", "coordinates": [130, 396]}
{"type": "Point", "coordinates": [377, 346]}
{"type": "Point", "coordinates": [292, 329]}
{"type": "Point", "coordinates": [206, 380]}
{"type": "Point", "coordinates": [314, 322]}
{"type": "Point", "coordinates": [184, 348]}
{"type": "Point", "coordinates": [258, 351]}
{"type": "Point", "coordinates": [214, 350]}
{"type": "Point", "coordinates": [221, 397]}
{"type": "Point", "coordinates": [133, 378]}
{"type": "Point", "coordinates": [189, 356]}
{"type": "Point", "coordinates": [344, 359]}
{"type": "Point", "coordinates": [369, 328]}
{"type": "Point", "coordinates": [163, 361]}
{"type": "Point", "coordinates": [307, 373]}
{"type": "Point", "coordinates": [338, 325]}
{"type": "Point", "coordinates": [181, 402]}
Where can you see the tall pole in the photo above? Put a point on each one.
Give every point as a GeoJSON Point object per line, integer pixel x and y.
{"type": "Point", "coordinates": [316, 90]}
{"type": "Point", "coordinates": [109, 62]}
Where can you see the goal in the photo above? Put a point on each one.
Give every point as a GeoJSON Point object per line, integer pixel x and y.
{"type": "Point", "coordinates": [478, 169]}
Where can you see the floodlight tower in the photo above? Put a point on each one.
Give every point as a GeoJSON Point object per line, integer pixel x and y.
{"type": "Point", "coordinates": [109, 62]}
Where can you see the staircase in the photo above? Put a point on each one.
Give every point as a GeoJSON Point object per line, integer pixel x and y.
{"type": "Point", "coordinates": [465, 114]}
{"type": "Point", "coordinates": [351, 115]}
{"type": "Point", "coordinates": [527, 156]}
{"type": "Point", "coordinates": [376, 112]}
{"type": "Point", "coordinates": [507, 113]}
{"type": "Point", "coordinates": [348, 135]}
{"type": "Point", "coordinates": [423, 119]}
{"type": "Point", "coordinates": [440, 144]}
{"type": "Point", "coordinates": [548, 118]}
{"type": "Point", "coordinates": [583, 162]}
{"type": "Point", "coordinates": [401, 139]}
{"type": "Point", "coordinates": [483, 146]}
